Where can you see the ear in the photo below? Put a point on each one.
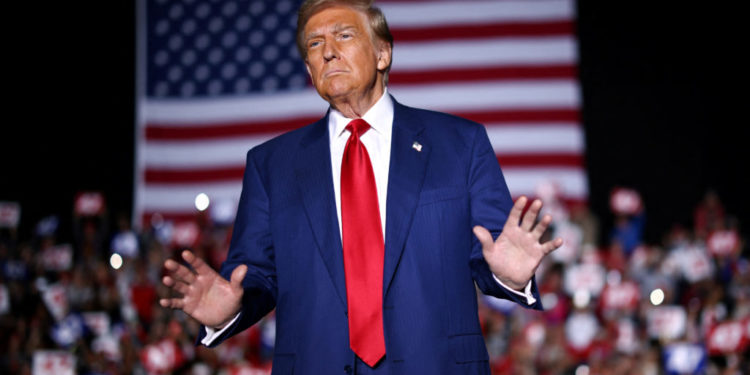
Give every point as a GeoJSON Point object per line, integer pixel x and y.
{"type": "Point", "coordinates": [307, 66]}
{"type": "Point", "coordinates": [384, 56]}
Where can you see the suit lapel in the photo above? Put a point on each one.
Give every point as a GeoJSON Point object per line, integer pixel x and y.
{"type": "Point", "coordinates": [315, 184]}
{"type": "Point", "coordinates": [405, 178]}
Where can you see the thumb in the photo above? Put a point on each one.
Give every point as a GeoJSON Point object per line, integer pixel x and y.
{"type": "Point", "coordinates": [483, 235]}
{"type": "Point", "coordinates": [237, 276]}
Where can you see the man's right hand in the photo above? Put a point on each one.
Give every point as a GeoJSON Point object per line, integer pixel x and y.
{"type": "Point", "coordinates": [206, 296]}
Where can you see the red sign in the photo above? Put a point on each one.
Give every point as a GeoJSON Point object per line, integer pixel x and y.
{"type": "Point", "coordinates": [727, 338]}
{"type": "Point", "coordinates": [622, 296]}
{"type": "Point", "coordinates": [161, 357]}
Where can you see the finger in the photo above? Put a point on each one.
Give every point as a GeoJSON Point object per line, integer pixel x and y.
{"type": "Point", "coordinates": [484, 236]}
{"type": "Point", "coordinates": [549, 246]}
{"type": "Point", "coordinates": [515, 213]}
{"type": "Point", "coordinates": [531, 214]}
{"type": "Point", "coordinates": [172, 303]}
{"type": "Point", "coordinates": [179, 272]}
{"type": "Point", "coordinates": [238, 274]}
{"type": "Point", "coordinates": [176, 285]}
{"type": "Point", "coordinates": [541, 227]}
{"type": "Point", "coordinates": [198, 264]}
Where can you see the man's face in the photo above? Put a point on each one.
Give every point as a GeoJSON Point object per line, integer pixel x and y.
{"type": "Point", "coordinates": [342, 60]}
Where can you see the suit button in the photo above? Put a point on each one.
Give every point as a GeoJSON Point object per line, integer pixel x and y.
{"type": "Point", "coordinates": [348, 369]}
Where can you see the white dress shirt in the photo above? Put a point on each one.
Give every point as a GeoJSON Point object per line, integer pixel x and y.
{"type": "Point", "coordinates": [377, 141]}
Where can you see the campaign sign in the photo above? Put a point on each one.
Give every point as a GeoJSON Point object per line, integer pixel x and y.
{"type": "Point", "coordinates": [584, 277]}
{"type": "Point", "coordinates": [58, 258]}
{"type": "Point", "coordinates": [727, 338]}
{"type": "Point", "coordinates": [89, 204]}
{"type": "Point", "coordinates": [10, 214]}
{"type": "Point", "coordinates": [623, 296]}
{"type": "Point", "coordinates": [56, 300]}
{"type": "Point", "coordinates": [161, 357]}
{"type": "Point", "coordinates": [723, 242]}
{"type": "Point", "coordinates": [580, 330]}
{"type": "Point", "coordinates": [53, 362]}
{"type": "Point", "coordinates": [684, 359]}
{"type": "Point", "coordinates": [666, 322]}
{"type": "Point", "coordinates": [625, 201]}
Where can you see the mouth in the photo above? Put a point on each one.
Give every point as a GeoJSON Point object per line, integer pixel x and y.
{"type": "Point", "coordinates": [334, 72]}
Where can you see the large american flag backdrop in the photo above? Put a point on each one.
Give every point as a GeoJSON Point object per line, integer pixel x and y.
{"type": "Point", "coordinates": [216, 78]}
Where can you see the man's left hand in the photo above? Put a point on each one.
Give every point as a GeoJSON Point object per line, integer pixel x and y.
{"type": "Point", "coordinates": [517, 252]}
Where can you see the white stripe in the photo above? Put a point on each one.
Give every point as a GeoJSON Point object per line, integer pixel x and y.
{"type": "Point", "coordinates": [230, 152]}
{"type": "Point", "coordinates": [465, 97]}
{"type": "Point", "coordinates": [525, 181]}
{"type": "Point", "coordinates": [554, 93]}
{"type": "Point", "coordinates": [182, 197]}
{"type": "Point", "coordinates": [485, 52]}
{"type": "Point", "coordinates": [529, 138]}
{"type": "Point", "coordinates": [419, 14]}
{"type": "Point", "coordinates": [219, 153]}
{"type": "Point", "coordinates": [198, 112]}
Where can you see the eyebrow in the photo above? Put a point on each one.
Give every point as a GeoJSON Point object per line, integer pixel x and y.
{"type": "Point", "coordinates": [337, 28]}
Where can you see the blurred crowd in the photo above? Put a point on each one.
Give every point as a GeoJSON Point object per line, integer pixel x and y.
{"type": "Point", "coordinates": [617, 306]}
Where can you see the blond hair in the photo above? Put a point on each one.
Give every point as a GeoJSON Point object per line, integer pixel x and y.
{"type": "Point", "coordinates": [378, 26]}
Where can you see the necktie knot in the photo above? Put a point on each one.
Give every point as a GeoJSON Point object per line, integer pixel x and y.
{"type": "Point", "coordinates": [358, 127]}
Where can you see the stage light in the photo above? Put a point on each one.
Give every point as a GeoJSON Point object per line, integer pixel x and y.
{"type": "Point", "coordinates": [201, 202]}
{"type": "Point", "coordinates": [657, 297]}
{"type": "Point", "coordinates": [582, 370]}
{"type": "Point", "coordinates": [115, 261]}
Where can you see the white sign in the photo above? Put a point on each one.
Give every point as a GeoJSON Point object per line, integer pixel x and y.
{"type": "Point", "coordinates": [53, 362]}
{"type": "Point", "coordinates": [666, 322]}
{"type": "Point", "coordinates": [584, 277]}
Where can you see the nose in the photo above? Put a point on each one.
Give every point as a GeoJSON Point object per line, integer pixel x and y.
{"type": "Point", "coordinates": [330, 50]}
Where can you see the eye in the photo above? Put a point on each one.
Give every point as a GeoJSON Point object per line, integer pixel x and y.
{"type": "Point", "coordinates": [313, 44]}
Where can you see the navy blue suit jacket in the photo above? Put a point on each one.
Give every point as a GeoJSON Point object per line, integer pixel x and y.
{"type": "Point", "coordinates": [287, 232]}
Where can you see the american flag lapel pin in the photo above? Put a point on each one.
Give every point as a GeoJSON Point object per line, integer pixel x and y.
{"type": "Point", "coordinates": [416, 146]}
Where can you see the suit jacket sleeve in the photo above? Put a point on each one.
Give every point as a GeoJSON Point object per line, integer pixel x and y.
{"type": "Point", "coordinates": [252, 245]}
{"type": "Point", "coordinates": [490, 205]}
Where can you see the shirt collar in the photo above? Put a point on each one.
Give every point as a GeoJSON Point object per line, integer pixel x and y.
{"type": "Point", "coordinates": [380, 117]}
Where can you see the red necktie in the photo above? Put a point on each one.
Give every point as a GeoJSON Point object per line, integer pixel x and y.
{"type": "Point", "coordinates": [363, 248]}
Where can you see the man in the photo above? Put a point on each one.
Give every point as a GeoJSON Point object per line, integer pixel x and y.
{"type": "Point", "coordinates": [358, 228]}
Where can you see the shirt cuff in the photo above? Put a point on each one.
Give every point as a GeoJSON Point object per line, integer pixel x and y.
{"type": "Point", "coordinates": [212, 334]}
{"type": "Point", "coordinates": [530, 300]}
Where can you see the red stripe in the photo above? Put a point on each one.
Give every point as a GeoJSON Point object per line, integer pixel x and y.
{"type": "Point", "coordinates": [475, 31]}
{"type": "Point", "coordinates": [541, 160]}
{"type": "Point", "coordinates": [484, 74]}
{"type": "Point", "coordinates": [166, 176]}
{"type": "Point", "coordinates": [170, 132]}
{"type": "Point", "coordinates": [230, 130]}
